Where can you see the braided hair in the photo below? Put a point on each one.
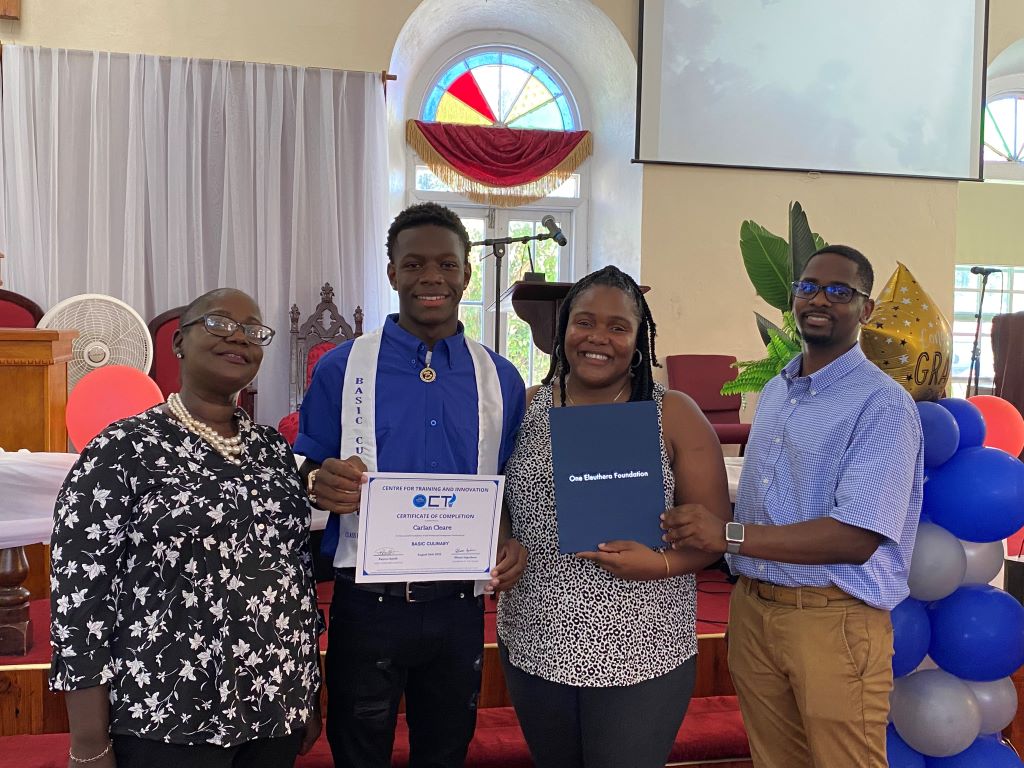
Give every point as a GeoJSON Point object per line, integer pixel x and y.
{"type": "Point", "coordinates": [643, 374]}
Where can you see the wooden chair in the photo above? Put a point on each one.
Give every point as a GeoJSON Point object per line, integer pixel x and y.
{"type": "Point", "coordinates": [322, 331]}
{"type": "Point", "coordinates": [166, 370]}
{"type": "Point", "coordinates": [17, 311]}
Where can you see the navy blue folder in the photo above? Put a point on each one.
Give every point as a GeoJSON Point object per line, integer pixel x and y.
{"type": "Point", "coordinates": [608, 479]}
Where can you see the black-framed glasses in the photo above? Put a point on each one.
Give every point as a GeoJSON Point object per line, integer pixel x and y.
{"type": "Point", "coordinates": [836, 293]}
{"type": "Point", "coordinates": [218, 325]}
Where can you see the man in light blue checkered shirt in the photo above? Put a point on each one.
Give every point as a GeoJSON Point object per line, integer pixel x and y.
{"type": "Point", "coordinates": [825, 520]}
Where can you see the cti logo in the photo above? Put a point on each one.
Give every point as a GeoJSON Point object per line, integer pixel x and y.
{"type": "Point", "coordinates": [442, 501]}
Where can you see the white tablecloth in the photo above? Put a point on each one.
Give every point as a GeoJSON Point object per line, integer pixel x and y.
{"type": "Point", "coordinates": [29, 483]}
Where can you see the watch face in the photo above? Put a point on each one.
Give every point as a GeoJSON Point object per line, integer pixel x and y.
{"type": "Point", "coordinates": [734, 532]}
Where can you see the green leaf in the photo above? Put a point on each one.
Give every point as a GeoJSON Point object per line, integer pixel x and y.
{"type": "Point", "coordinates": [763, 325]}
{"type": "Point", "coordinates": [789, 327]}
{"type": "Point", "coordinates": [752, 379]}
{"type": "Point", "coordinates": [801, 240]}
{"type": "Point", "coordinates": [819, 241]}
{"type": "Point", "coordinates": [766, 258]}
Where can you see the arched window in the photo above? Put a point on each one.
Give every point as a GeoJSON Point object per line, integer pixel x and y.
{"type": "Point", "coordinates": [499, 88]}
{"type": "Point", "coordinates": [502, 86]}
{"type": "Point", "coordinates": [1004, 129]}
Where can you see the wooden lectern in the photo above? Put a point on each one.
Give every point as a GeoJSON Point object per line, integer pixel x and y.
{"type": "Point", "coordinates": [33, 396]}
{"type": "Point", "coordinates": [538, 303]}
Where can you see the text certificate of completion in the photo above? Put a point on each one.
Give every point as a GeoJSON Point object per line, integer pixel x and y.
{"type": "Point", "coordinates": [419, 527]}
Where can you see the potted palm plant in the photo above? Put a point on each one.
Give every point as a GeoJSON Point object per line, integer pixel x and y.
{"type": "Point", "coordinates": [772, 263]}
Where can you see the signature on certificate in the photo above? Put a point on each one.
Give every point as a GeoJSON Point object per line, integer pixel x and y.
{"type": "Point", "coordinates": [385, 552]}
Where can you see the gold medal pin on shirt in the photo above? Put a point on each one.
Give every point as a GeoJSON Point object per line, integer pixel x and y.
{"type": "Point", "coordinates": [428, 374]}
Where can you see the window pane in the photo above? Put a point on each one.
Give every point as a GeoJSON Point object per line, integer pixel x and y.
{"type": "Point", "coordinates": [965, 301]}
{"type": "Point", "coordinates": [541, 363]}
{"type": "Point", "coordinates": [426, 181]}
{"type": "Point", "coordinates": [962, 357]}
{"type": "Point", "coordinates": [477, 229]}
{"type": "Point", "coordinates": [519, 345]}
{"type": "Point", "coordinates": [570, 187]}
{"type": "Point", "coordinates": [964, 279]}
{"type": "Point", "coordinates": [471, 316]}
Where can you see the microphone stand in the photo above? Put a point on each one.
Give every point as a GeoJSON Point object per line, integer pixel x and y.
{"type": "Point", "coordinates": [499, 245]}
{"type": "Point", "coordinates": [975, 370]}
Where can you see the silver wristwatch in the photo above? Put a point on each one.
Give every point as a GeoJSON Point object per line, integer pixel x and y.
{"type": "Point", "coordinates": [734, 534]}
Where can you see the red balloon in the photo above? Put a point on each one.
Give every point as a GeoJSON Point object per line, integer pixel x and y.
{"type": "Point", "coordinates": [1004, 426]}
{"type": "Point", "coordinates": [105, 395]}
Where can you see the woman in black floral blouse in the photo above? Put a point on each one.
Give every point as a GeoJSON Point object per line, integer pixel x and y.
{"type": "Point", "coordinates": [184, 622]}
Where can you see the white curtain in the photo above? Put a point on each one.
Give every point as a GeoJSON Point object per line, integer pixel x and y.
{"type": "Point", "coordinates": [154, 180]}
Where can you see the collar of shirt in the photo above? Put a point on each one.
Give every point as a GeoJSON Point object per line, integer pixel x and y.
{"type": "Point", "coordinates": [450, 351]}
{"type": "Point", "coordinates": [831, 373]}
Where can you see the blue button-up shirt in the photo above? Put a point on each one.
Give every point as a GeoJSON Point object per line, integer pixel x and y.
{"type": "Point", "coordinates": [844, 442]}
{"type": "Point", "coordinates": [420, 427]}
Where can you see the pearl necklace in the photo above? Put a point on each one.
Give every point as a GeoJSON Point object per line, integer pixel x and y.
{"type": "Point", "coordinates": [614, 399]}
{"type": "Point", "coordinates": [228, 447]}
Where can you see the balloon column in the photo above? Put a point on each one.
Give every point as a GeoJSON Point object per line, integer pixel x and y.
{"type": "Point", "coordinates": [973, 632]}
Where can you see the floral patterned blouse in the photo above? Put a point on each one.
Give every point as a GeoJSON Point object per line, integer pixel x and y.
{"type": "Point", "coordinates": [185, 584]}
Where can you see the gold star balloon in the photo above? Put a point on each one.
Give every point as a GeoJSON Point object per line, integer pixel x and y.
{"type": "Point", "coordinates": [908, 338]}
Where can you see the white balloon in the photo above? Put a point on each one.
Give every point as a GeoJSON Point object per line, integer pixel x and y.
{"type": "Point", "coordinates": [935, 713]}
{"type": "Point", "coordinates": [938, 564]}
{"type": "Point", "coordinates": [983, 561]}
{"type": "Point", "coordinates": [997, 701]}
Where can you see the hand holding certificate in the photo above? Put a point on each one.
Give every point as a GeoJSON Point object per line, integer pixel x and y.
{"type": "Point", "coordinates": [417, 527]}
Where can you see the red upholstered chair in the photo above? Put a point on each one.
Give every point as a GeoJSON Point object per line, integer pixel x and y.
{"type": "Point", "coordinates": [701, 377]}
{"type": "Point", "coordinates": [165, 370]}
{"type": "Point", "coordinates": [17, 311]}
{"type": "Point", "coordinates": [322, 331]}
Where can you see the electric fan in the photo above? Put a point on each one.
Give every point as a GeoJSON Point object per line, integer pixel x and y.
{"type": "Point", "coordinates": [109, 333]}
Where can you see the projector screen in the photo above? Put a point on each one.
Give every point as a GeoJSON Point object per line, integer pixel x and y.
{"type": "Point", "coordinates": [892, 87]}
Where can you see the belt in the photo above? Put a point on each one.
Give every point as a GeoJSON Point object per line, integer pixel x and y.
{"type": "Point", "coordinates": [801, 597]}
{"type": "Point", "coordinates": [410, 591]}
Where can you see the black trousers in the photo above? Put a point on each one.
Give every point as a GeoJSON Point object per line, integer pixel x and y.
{"type": "Point", "coordinates": [379, 647]}
{"type": "Point", "coordinates": [133, 752]}
{"type": "Point", "coordinates": [569, 726]}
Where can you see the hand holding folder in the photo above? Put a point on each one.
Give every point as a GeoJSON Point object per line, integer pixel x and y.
{"type": "Point", "coordinates": [609, 482]}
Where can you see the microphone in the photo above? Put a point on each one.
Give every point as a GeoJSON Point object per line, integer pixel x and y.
{"type": "Point", "coordinates": [548, 222]}
{"type": "Point", "coordinates": [984, 270]}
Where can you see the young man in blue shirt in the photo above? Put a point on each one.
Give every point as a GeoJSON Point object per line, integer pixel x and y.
{"type": "Point", "coordinates": [825, 521]}
{"type": "Point", "coordinates": [416, 396]}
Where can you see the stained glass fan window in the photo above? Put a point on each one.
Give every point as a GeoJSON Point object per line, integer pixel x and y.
{"type": "Point", "coordinates": [1004, 130]}
{"type": "Point", "coordinates": [499, 88]}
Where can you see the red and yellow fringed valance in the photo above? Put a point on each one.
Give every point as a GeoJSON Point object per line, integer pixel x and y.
{"type": "Point", "coordinates": [504, 167]}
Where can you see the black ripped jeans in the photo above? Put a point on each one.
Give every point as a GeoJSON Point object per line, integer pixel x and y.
{"type": "Point", "coordinates": [379, 647]}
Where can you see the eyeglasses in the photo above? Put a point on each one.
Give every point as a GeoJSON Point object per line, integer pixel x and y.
{"type": "Point", "coordinates": [221, 326]}
{"type": "Point", "coordinates": [836, 293]}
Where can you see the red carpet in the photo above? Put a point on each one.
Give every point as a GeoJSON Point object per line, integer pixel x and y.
{"type": "Point", "coordinates": [713, 730]}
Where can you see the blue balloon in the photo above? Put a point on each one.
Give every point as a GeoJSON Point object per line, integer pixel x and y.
{"type": "Point", "coordinates": [977, 633]}
{"type": "Point", "coordinates": [899, 754]}
{"type": "Point", "coordinates": [941, 433]}
{"type": "Point", "coordinates": [978, 495]}
{"type": "Point", "coordinates": [911, 635]}
{"type": "Point", "coordinates": [985, 752]}
{"type": "Point", "coordinates": [968, 419]}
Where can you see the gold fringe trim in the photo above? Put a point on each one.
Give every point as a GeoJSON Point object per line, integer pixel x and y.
{"type": "Point", "coordinates": [500, 197]}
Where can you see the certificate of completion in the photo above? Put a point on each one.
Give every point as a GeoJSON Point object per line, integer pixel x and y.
{"type": "Point", "coordinates": [418, 527]}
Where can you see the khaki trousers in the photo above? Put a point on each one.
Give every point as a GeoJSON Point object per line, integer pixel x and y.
{"type": "Point", "coordinates": [813, 670]}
